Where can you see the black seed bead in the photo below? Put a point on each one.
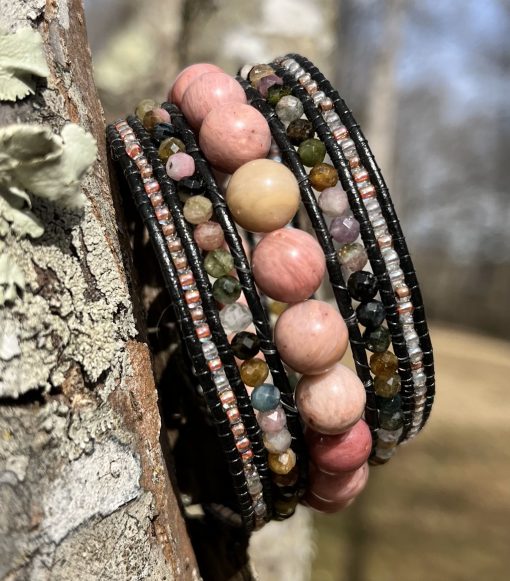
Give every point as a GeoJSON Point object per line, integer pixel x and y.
{"type": "Point", "coordinates": [299, 130]}
{"type": "Point", "coordinates": [245, 345]}
{"type": "Point", "coordinates": [162, 131]}
{"type": "Point", "coordinates": [371, 314]}
{"type": "Point", "coordinates": [362, 286]}
{"type": "Point", "coordinates": [377, 340]}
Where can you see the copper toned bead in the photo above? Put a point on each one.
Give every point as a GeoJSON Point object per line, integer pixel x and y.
{"type": "Point", "coordinates": [156, 200]}
{"type": "Point", "coordinates": [233, 415]}
{"type": "Point", "coordinates": [282, 463]}
{"type": "Point", "coordinates": [254, 372]}
{"type": "Point", "coordinates": [162, 212]}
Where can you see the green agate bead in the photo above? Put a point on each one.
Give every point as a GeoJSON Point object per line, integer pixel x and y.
{"type": "Point", "coordinates": [218, 263]}
{"type": "Point", "coordinates": [312, 151]}
{"type": "Point", "coordinates": [276, 92]}
{"type": "Point", "coordinates": [170, 146]}
{"type": "Point", "coordinates": [226, 290]}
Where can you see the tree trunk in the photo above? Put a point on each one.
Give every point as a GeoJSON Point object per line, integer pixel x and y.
{"type": "Point", "coordinates": [84, 489]}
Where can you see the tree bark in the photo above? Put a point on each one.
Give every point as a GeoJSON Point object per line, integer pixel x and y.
{"type": "Point", "coordinates": [84, 488]}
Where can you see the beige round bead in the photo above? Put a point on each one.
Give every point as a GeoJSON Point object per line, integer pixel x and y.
{"type": "Point", "coordinates": [263, 195]}
{"type": "Point", "coordinates": [197, 209]}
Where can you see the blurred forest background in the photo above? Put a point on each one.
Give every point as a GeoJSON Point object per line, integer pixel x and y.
{"type": "Point", "coordinates": [430, 83]}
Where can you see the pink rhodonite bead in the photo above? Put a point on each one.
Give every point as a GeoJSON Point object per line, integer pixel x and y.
{"type": "Point", "coordinates": [324, 506]}
{"type": "Point", "coordinates": [288, 265]}
{"type": "Point", "coordinates": [338, 489]}
{"type": "Point", "coordinates": [180, 165]}
{"type": "Point", "coordinates": [272, 421]}
{"type": "Point", "coordinates": [341, 453]}
{"type": "Point", "coordinates": [332, 402]}
{"type": "Point", "coordinates": [311, 336]}
{"type": "Point", "coordinates": [207, 92]}
{"type": "Point", "coordinates": [186, 77]}
{"type": "Point", "coordinates": [234, 134]}
{"type": "Point", "coordinates": [209, 235]}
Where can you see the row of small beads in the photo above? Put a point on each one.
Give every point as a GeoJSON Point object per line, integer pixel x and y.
{"type": "Point", "coordinates": [194, 303]}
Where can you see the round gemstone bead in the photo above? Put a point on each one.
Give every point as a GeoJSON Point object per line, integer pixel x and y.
{"type": "Point", "coordinates": [345, 228]}
{"type": "Point", "coordinates": [299, 130]}
{"type": "Point", "coordinates": [207, 92]}
{"type": "Point", "coordinates": [384, 364]}
{"type": "Point", "coordinates": [180, 165]}
{"type": "Point", "coordinates": [245, 345]}
{"type": "Point", "coordinates": [186, 77]}
{"type": "Point", "coordinates": [338, 489]}
{"type": "Point", "coordinates": [387, 386]}
{"type": "Point", "coordinates": [169, 147]}
{"type": "Point", "coordinates": [289, 479]}
{"type": "Point", "coordinates": [352, 256]}
{"type": "Point", "coordinates": [155, 117]}
{"type": "Point", "coordinates": [254, 372]}
{"type": "Point", "coordinates": [371, 314]}
{"type": "Point", "coordinates": [218, 263]}
{"type": "Point", "coordinates": [340, 453]}
{"type": "Point", "coordinates": [312, 151]}
{"type": "Point", "coordinates": [258, 72]}
{"type": "Point", "coordinates": [235, 318]}
{"type": "Point", "coordinates": [265, 397]}
{"type": "Point", "coordinates": [277, 442]}
{"type": "Point", "coordinates": [288, 265]}
{"type": "Point", "coordinates": [226, 290]}
{"type": "Point", "coordinates": [322, 176]}
{"type": "Point", "coordinates": [276, 92]}
{"type": "Point", "coordinates": [311, 336]}
{"type": "Point", "coordinates": [197, 209]}
{"type": "Point", "coordinates": [282, 463]}
{"type": "Point", "coordinates": [285, 508]}
{"type": "Point", "coordinates": [143, 107]}
{"type": "Point", "coordinates": [289, 108]}
{"type": "Point", "coordinates": [332, 402]}
{"type": "Point", "coordinates": [333, 201]}
{"type": "Point", "coordinates": [391, 420]}
{"type": "Point", "coordinates": [234, 134]}
{"type": "Point", "coordinates": [272, 421]}
{"type": "Point", "coordinates": [263, 195]}
{"type": "Point", "coordinates": [377, 340]}
{"type": "Point", "coordinates": [266, 82]}
{"type": "Point", "coordinates": [362, 286]}
{"type": "Point", "coordinates": [209, 235]}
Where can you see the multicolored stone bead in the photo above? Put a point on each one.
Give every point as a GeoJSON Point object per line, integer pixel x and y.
{"type": "Point", "coordinates": [384, 364]}
{"type": "Point", "coordinates": [276, 92]}
{"type": "Point", "coordinates": [353, 256]}
{"type": "Point", "coordinates": [143, 107]}
{"type": "Point", "coordinates": [282, 463]}
{"type": "Point", "coordinates": [180, 165]}
{"type": "Point", "coordinates": [258, 72]}
{"type": "Point", "coordinates": [226, 289]}
{"type": "Point", "coordinates": [289, 108]}
{"type": "Point", "coordinates": [245, 345]}
{"type": "Point", "coordinates": [155, 117]}
{"type": "Point", "coordinates": [371, 314]}
{"type": "Point", "coordinates": [265, 397]}
{"type": "Point", "coordinates": [344, 229]}
{"type": "Point", "coordinates": [299, 130]}
{"type": "Point", "coordinates": [362, 285]}
{"type": "Point", "coordinates": [209, 235]}
{"type": "Point", "coordinates": [265, 83]}
{"type": "Point", "coordinates": [377, 340]}
{"type": "Point", "coordinates": [277, 442]}
{"type": "Point", "coordinates": [387, 386]}
{"type": "Point", "coordinates": [312, 151]}
{"type": "Point", "coordinates": [169, 147]}
{"type": "Point", "coordinates": [218, 263]}
{"type": "Point", "coordinates": [254, 372]}
{"type": "Point", "coordinates": [322, 176]}
{"type": "Point", "coordinates": [333, 201]}
{"type": "Point", "coordinates": [273, 420]}
{"type": "Point", "coordinates": [235, 317]}
{"type": "Point", "coordinates": [197, 209]}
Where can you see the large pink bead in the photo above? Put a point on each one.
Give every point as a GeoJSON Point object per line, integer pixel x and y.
{"type": "Point", "coordinates": [207, 92]}
{"type": "Point", "coordinates": [323, 506]}
{"type": "Point", "coordinates": [341, 453]}
{"type": "Point", "coordinates": [234, 134]}
{"type": "Point", "coordinates": [311, 336]}
{"type": "Point", "coordinates": [338, 489]}
{"type": "Point", "coordinates": [332, 402]}
{"type": "Point", "coordinates": [288, 265]}
{"type": "Point", "coordinates": [186, 77]}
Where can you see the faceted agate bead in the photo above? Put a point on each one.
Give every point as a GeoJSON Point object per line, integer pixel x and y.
{"type": "Point", "coordinates": [226, 290]}
{"type": "Point", "coordinates": [258, 72]}
{"type": "Point", "coordinates": [322, 176]}
{"type": "Point", "coordinates": [218, 263]}
{"type": "Point", "coordinates": [362, 286]}
{"type": "Point", "coordinates": [377, 340]}
{"type": "Point", "coordinates": [155, 117]}
{"type": "Point", "coordinates": [273, 420]}
{"type": "Point", "coordinates": [341, 453]}
{"type": "Point", "coordinates": [282, 463]}
{"type": "Point", "coordinates": [387, 386]}
{"type": "Point", "coordinates": [288, 265]}
{"type": "Point", "coordinates": [276, 92]}
{"type": "Point", "coordinates": [277, 442]}
{"type": "Point", "coordinates": [353, 256]}
{"type": "Point", "coordinates": [169, 147]}
{"type": "Point", "coordinates": [254, 372]}
{"type": "Point", "coordinates": [186, 77]}
{"type": "Point", "coordinates": [263, 195]}
{"type": "Point", "coordinates": [299, 130]}
{"type": "Point", "coordinates": [245, 345]}
{"type": "Point", "coordinates": [332, 402]}
{"type": "Point", "coordinates": [234, 134]}
{"type": "Point", "coordinates": [143, 107]}
{"type": "Point", "coordinates": [338, 489]}
{"type": "Point", "coordinates": [207, 92]}
{"type": "Point", "coordinates": [265, 83]}
{"type": "Point", "coordinates": [197, 209]}
{"type": "Point", "coordinates": [312, 151]}
{"type": "Point", "coordinates": [180, 165]}
{"type": "Point", "coordinates": [333, 201]}
{"type": "Point", "coordinates": [345, 228]}
{"type": "Point", "coordinates": [235, 317]}
{"type": "Point", "coordinates": [209, 235]}
{"type": "Point", "coordinates": [311, 336]}
{"type": "Point", "coordinates": [289, 108]}
{"type": "Point", "coordinates": [384, 364]}
{"type": "Point", "coordinates": [371, 314]}
{"type": "Point", "coordinates": [265, 397]}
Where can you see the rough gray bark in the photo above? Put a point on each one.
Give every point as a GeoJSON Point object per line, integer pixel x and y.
{"type": "Point", "coordinates": [84, 491]}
